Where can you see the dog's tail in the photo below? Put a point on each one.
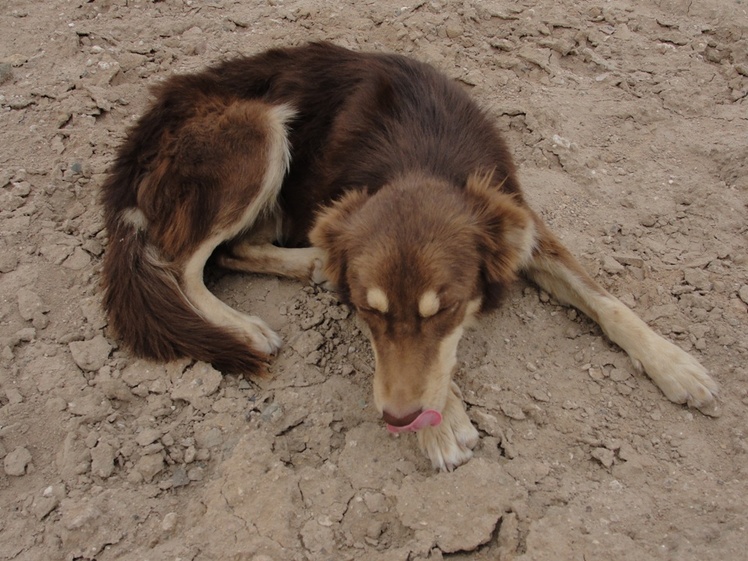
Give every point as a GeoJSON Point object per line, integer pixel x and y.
{"type": "Point", "coordinates": [151, 314]}
{"type": "Point", "coordinates": [182, 184]}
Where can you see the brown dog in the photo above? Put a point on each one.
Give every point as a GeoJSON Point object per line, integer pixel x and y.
{"type": "Point", "coordinates": [372, 171]}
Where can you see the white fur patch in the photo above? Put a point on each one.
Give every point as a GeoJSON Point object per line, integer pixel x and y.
{"type": "Point", "coordinates": [279, 160]}
{"type": "Point", "coordinates": [429, 304]}
{"type": "Point", "coordinates": [447, 357]}
{"type": "Point", "coordinates": [135, 218]}
{"type": "Point", "coordinates": [437, 386]}
{"type": "Point", "coordinates": [377, 299]}
{"type": "Point", "coordinates": [525, 240]}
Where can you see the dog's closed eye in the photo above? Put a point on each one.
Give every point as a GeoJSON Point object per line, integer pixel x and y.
{"type": "Point", "coordinates": [366, 310]}
{"type": "Point", "coordinates": [448, 308]}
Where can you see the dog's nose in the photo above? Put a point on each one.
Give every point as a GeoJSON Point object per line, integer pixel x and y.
{"type": "Point", "coordinates": [391, 419]}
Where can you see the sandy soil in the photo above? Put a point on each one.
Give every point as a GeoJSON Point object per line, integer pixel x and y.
{"type": "Point", "coordinates": [628, 120]}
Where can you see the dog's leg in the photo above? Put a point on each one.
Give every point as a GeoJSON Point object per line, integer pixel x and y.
{"type": "Point", "coordinates": [681, 378]}
{"type": "Point", "coordinates": [450, 443]}
{"type": "Point", "coordinates": [258, 333]}
{"type": "Point", "coordinates": [296, 263]}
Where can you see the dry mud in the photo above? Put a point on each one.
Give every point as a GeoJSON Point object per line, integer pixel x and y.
{"type": "Point", "coordinates": [629, 122]}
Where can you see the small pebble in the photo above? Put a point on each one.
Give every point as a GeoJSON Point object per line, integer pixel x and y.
{"type": "Point", "coordinates": [148, 436]}
{"type": "Point", "coordinates": [189, 455]}
{"type": "Point", "coordinates": [169, 522]}
{"type": "Point", "coordinates": [30, 304]}
{"type": "Point", "coordinates": [17, 462]}
{"type": "Point", "coordinates": [596, 373]}
{"type": "Point", "coordinates": [179, 477]}
{"type": "Point", "coordinates": [618, 374]}
{"type": "Point", "coordinates": [102, 460]}
{"type": "Point", "coordinates": [195, 474]}
{"type": "Point", "coordinates": [453, 31]}
{"type": "Point", "coordinates": [648, 221]}
{"type": "Point", "coordinates": [604, 456]}
{"type": "Point", "coordinates": [14, 396]}
{"type": "Point", "coordinates": [743, 293]}
{"type": "Point", "coordinates": [90, 355]}
{"type": "Point", "coordinates": [6, 72]}
{"type": "Point", "coordinates": [512, 411]}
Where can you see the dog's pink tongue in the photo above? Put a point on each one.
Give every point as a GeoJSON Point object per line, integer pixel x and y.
{"type": "Point", "coordinates": [429, 418]}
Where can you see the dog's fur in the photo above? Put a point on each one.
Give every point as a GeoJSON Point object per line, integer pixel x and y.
{"type": "Point", "coordinates": [371, 171]}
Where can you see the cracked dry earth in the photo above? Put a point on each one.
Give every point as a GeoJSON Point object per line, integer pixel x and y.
{"type": "Point", "coordinates": [629, 122]}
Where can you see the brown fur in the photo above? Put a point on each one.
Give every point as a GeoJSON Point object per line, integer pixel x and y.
{"type": "Point", "coordinates": [399, 189]}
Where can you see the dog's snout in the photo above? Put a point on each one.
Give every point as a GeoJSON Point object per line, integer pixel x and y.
{"type": "Point", "coordinates": [395, 421]}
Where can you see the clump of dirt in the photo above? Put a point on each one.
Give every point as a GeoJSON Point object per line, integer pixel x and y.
{"type": "Point", "coordinates": [628, 123]}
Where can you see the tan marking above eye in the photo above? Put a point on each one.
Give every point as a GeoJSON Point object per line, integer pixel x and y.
{"type": "Point", "coordinates": [429, 304]}
{"type": "Point", "coordinates": [377, 299]}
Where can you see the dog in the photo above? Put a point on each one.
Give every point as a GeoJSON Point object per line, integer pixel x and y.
{"type": "Point", "coordinates": [370, 171]}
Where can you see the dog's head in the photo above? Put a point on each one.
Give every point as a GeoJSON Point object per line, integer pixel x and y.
{"type": "Point", "coordinates": [414, 260]}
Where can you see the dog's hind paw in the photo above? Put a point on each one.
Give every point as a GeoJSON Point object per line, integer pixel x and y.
{"type": "Point", "coordinates": [449, 444]}
{"type": "Point", "coordinates": [318, 276]}
{"type": "Point", "coordinates": [262, 337]}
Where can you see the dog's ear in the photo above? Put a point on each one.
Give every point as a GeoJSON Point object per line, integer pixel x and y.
{"type": "Point", "coordinates": [506, 230]}
{"type": "Point", "coordinates": [331, 232]}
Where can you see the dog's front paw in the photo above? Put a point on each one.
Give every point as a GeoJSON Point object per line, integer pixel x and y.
{"type": "Point", "coordinates": [681, 378]}
{"type": "Point", "coordinates": [449, 444]}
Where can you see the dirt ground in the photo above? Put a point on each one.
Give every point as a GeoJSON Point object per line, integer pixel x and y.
{"type": "Point", "coordinates": [629, 122]}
